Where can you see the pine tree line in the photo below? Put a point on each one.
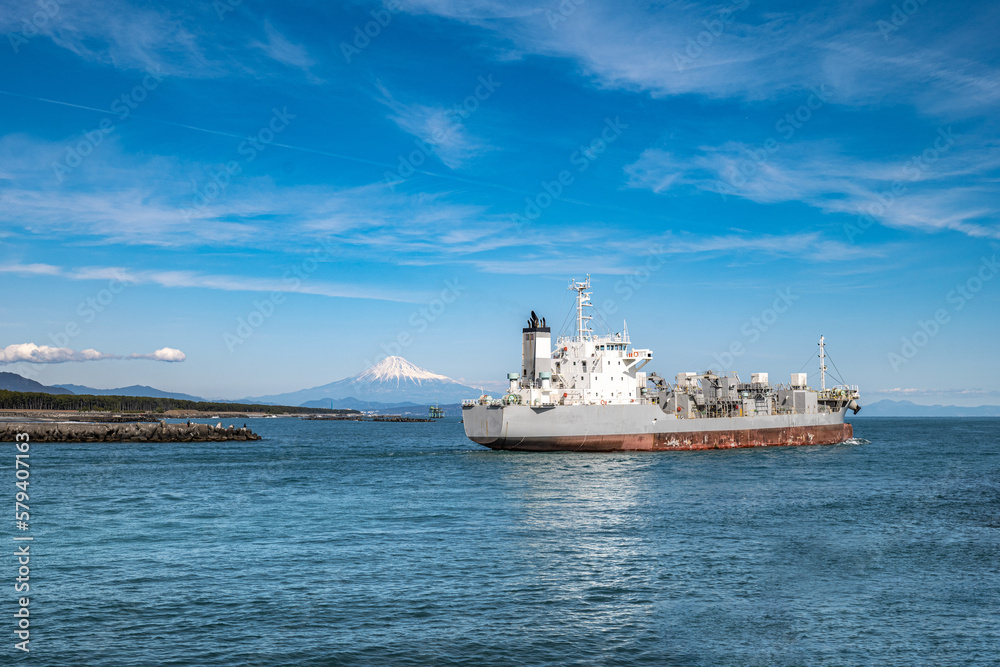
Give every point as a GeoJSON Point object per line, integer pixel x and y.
{"type": "Point", "coordinates": [24, 400]}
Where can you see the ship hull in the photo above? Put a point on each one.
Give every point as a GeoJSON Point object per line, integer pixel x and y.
{"type": "Point", "coordinates": [593, 428]}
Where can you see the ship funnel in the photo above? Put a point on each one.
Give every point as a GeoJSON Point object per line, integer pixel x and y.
{"type": "Point", "coordinates": [536, 350]}
{"type": "Point", "coordinates": [853, 405]}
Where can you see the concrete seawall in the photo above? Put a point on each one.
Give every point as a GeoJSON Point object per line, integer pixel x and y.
{"type": "Point", "coordinates": [158, 432]}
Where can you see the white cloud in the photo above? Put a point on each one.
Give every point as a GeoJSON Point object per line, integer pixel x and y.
{"type": "Point", "coordinates": [45, 354]}
{"type": "Point", "coordinates": [168, 354]}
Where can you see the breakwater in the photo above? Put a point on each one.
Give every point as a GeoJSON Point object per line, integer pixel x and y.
{"type": "Point", "coordinates": [133, 432]}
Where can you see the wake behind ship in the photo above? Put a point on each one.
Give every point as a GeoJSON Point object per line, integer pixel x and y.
{"type": "Point", "coordinates": [590, 394]}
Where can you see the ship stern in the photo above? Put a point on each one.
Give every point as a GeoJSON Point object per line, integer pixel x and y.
{"type": "Point", "coordinates": [484, 424]}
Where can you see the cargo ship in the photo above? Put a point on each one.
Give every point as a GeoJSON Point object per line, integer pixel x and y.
{"type": "Point", "coordinates": [589, 393]}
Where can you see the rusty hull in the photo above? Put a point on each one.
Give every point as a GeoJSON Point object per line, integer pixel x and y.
{"type": "Point", "coordinates": [827, 434]}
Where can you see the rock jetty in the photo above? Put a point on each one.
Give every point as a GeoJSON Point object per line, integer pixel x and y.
{"type": "Point", "coordinates": [135, 432]}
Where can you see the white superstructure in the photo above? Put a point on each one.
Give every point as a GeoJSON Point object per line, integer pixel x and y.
{"type": "Point", "coordinates": [583, 369]}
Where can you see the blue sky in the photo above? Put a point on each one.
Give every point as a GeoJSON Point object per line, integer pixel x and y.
{"type": "Point", "coordinates": [281, 194]}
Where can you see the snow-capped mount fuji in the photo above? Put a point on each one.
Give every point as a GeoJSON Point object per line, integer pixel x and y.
{"type": "Point", "coordinates": [392, 380]}
{"type": "Point", "coordinates": [399, 371]}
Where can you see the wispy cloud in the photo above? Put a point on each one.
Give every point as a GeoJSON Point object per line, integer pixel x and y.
{"type": "Point", "coordinates": [591, 253]}
{"type": "Point", "coordinates": [122, 34]}
{"type": "Point", "coordinates": [367, 222]}
{"type": "Point", "coordinates": [31, 269]}
{"type": "Point", "coordinates": [741, 49]}
{"type": "Point", "coordinates": [950, 190]}
{"type": "Point", "coordinates": [119, 198]}
{"type": "Point", "coordinates": [281, 49]}
{"type": "Point", "coordinates": [637, 48]}
{"type": "Point", "coordinates": [176, 41]}
{"type": "Point", "coordinates": [227, 283]}
{"type": "Point", "coordinates": [439, 127]}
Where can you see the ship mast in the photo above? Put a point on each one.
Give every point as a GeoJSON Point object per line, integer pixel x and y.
{"type": "Point", "coordinates": [582, 299]}
{"type": "Point", "coordinates": [822, 363]}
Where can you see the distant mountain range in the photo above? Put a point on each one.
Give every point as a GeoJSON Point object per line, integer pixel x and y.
{"type": "Point", "coordinates": [15, 382]}
{"type": "Point", "coordinates": [392, 380]}
{"type": "Point", "coordinates": [133, 390]}
{"type": "Point", "coordinates": [889, 408]}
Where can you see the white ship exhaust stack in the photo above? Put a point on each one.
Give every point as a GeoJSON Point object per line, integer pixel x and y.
{"type": "Point", "coordinates": [536, 350]}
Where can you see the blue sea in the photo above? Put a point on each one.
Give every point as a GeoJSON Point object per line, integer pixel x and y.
{"type": "Point", "coordinates": [347, 543]}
